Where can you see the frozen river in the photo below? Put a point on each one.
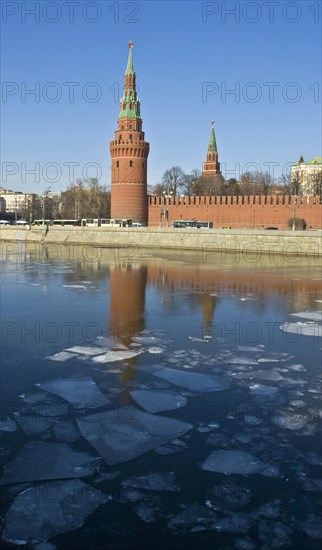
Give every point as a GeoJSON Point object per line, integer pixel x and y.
{"type": "Point", "coordinates": [160, 402]}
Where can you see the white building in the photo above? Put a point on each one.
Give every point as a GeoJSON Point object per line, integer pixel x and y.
{"type": "Point", "coordinates": [309, 174]}
{"type": "Point", "coordinates": [12, 202]}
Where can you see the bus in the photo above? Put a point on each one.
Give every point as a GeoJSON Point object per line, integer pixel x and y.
{"type": "Point", "coordinates": [42, 222]}
{"type": "Point", "coordinates": [192, 223]}
{"type": "Point", "coordinates": [62, 223]}
{"type": "Point", "coordinates": [105, 222]}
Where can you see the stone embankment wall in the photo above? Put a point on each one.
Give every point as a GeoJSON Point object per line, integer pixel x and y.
{"type": "Point", "coordinates": [239, 212]}
{"type": "Point", "coordinates": [205, 241]}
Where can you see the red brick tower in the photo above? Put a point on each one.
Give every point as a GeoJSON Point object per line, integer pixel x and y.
{"type": "Point", "coordinates": [211, 167]}
{"type": "Point", "coordinates": [129, 152]}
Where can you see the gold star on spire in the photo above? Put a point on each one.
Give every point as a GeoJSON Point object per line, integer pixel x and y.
{"type": "Point", "coordinates": [131, 44]}
{"type": "Point", "coordinates": [212, 123]}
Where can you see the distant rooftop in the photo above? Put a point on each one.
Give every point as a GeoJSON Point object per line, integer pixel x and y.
{"type": "Point", "coordinates": [315, 160]}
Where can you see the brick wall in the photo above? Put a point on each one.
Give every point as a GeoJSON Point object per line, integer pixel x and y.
{"type": "Point", "coordinates": [240, 212]}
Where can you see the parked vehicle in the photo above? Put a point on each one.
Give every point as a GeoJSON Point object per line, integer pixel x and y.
{"type": "Point", "coordinates": [226, 227]}
{"type": "Point", "coordinates": [4, 222]}
{"type": "Point", "coordinates": [191, 223]}
{"type": "Point", "coordinates": [62, 223]}
{"type": "Point", "coordinates": [22, 222]}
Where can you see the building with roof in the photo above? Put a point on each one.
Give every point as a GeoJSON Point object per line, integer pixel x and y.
{"type": "Point", "coordinates": [309, 175]}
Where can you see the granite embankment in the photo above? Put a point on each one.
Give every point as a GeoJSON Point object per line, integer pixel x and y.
{"type": "Point", "coordinates": [207, 241]}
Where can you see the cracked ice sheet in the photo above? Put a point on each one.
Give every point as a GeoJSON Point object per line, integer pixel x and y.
{"type": "Point", "coordinates": [163, 481]}
{"type": "Point", "coordinates": [238, 462]}
{"type": "Point", "coordinates": [8, 425]}
{"type": "Point", "coordinates": [157, 401]}
{"type": "Point", "coordinates": [271, 375]}
{"type": "Point", "coordinates": [126, 433]}
{"type": "Point", "coordinates": [82, 393]}
{"type": "Point", "coordinates": [193, 381]}
{"type": "Point", "coordinates": [42, 512]}
{"type": "Point", "coordinates": [39, 460]}
{"type": "Point", "coordinates": [33, 424]}
{"type": "Point", "coordinates": [62, 356]}
{"type": "Point", "coordinates": [112, 356]}
{"type": "Point", "coordinates": [310, 315]}
{"type": "Point", "coordinates": [86, 350]}
{"type": "Point", "coordinates": [304, 329]}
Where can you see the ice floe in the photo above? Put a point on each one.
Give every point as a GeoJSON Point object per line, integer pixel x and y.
{"type": "Point", "coordinates": [193, 381]}
{"type": "Point", "coordinates": [193, 515]}
{"type": "Point", "coordinates": [303, 329]}
{"type": "Point", "coordinates": [310, 315]}
{"type": "Point", "coordinates": [34, 425]}
{"type": "Point", "coordinates": [228, 496]}
{"type": "Point", "coordinates": [76, 287]}
{"type": "Point", "coordinates": [85, 350]}
{"type": "Point", "coordinates": [39, 460]}
{"type": "Point", "coordinates": [157, 401]}
{"type": "Point", "coordinates": [238, 462]}
{"type": "Point", "coordinates": [111, 356]}
{"type": "Point", "coordinates": [149, 511]}
{"type": "Point", "coordinates": [235, 522]}
{"type": "Point", "coordinates": [62, 356]}
{"type": "Point", "coordinates": [82, 393]}
{"type": "Point", "coordinates": [66, 432]}
{"type": "Point", "coordinates": [146, 340]}
{"type": "Point", "coordinates": [155, 350]}
{"type": "Point", "coordinates": [8, 425]}
{"type": "Point", "coordinates": [290, 420]}
{"type": "Point", "coordinates": [164, 481]}
{"type": "Point", "coordinates": [123, 434]}
{"type": "Point", "coordinates": [242, 361]}
{"type": "Point", "coordinates": [47, 510]}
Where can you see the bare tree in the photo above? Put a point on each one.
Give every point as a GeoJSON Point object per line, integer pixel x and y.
{"type": "Point", "coordinates": [315, 180]}
{"type": "Point", "coordinates": [86, 199]}
{"type": "Point", "coordinates": [173, 179]}
{"type": "Point", "coordinates": [292, 183]}
{"type": "Point", "coordinates": [158, 189]}
{"type": "Point", "coordinates": [191, 183]}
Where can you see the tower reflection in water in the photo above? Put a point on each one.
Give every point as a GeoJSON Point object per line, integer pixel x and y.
{"type": "Point", "coordinates": [127, 305]}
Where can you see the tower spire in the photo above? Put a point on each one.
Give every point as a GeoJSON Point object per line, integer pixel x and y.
{"type": "Point", "coordinates": [130, 66]}
{"type": "Point", "coordinates": [212, 147]}
{"type": "Point", "coordinates": [130, 104]}
{"type": "Point", "coordinates": [212, 167]}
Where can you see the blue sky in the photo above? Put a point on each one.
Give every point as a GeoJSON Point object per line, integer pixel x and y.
{"type": "Point", "coordinates": [187, 56]}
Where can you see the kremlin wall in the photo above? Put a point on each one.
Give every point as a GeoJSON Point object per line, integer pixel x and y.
{"type": "Point", "coordinates": [244, 212]}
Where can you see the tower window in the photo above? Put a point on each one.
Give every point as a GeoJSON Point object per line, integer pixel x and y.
{"type": "Point", "coordinates": [131, 137]}
{"type": "Point", "coordinates": [122, 126]}
{"type": "Point", "coordinates": [120, 138]}
{"type": "Point", "coordinates": [130, 126]}
{"type": "Point", "coordinates": [117, 164]}
{"type": "Point", "coordinates": [131, 163]}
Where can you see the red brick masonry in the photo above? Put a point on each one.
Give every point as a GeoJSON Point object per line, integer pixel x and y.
{"type": "Point", "coordinates": [240, 212]}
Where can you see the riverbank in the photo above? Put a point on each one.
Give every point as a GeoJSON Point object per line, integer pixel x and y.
{"type": "Point", "coordinates": [207, 241]}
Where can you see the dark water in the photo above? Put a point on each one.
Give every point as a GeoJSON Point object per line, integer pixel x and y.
{"type": "Point", "coordinates": [220, 318]}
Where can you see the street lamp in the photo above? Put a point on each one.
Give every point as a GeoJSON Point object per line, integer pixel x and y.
{"type": "Point", "coordinates": [167, 204]}
{"type": "Point", "coordinates": [43, 204]}
{"type": "Point", "coordinates": [294, 211]}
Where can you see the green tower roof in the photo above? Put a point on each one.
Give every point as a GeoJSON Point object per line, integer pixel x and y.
{"type": "Point", "coordinates": [130, 104]}
{"type": "Point", "coordinates": [130, 66]}
{"type": "Point", "coordinates": [212, 147]}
